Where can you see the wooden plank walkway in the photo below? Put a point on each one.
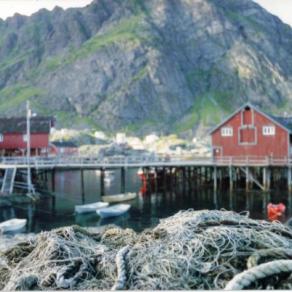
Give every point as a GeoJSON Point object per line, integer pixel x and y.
{"type": "Point", "coordinates": [87, 162]}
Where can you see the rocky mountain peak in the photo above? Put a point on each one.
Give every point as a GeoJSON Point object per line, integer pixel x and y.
{"type": "Point", "coordinates": [138, 66]}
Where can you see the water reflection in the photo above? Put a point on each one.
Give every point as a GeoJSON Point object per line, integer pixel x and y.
{"type": "Point", "coordinates": [153, 202]}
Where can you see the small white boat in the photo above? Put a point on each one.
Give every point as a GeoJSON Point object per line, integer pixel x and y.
{"type": "Point", "coordinates": [119, 197]}
{"type": "Point", "coordinates": [12, 225]}
{"type": "Point", "coordinates": [80, 209]}
{"type": "Point", "coordinates": [113, 211]}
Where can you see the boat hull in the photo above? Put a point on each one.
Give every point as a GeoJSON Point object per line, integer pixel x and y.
{"type": "Point", "coordinates": [113, 211]}
{"type": "Point", "coordinates": [89, 208]}
{"type": "Point", "coordinates": [119, 198]}
{"type": "Point", "coordinates": [12, 225]}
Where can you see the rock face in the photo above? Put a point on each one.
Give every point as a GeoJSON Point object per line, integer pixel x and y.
{"type": "Point", "coordinates": [137, 65]}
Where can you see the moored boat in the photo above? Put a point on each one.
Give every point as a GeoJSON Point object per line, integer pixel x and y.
{"type": "Point", "coordinates": [12, 225]}
{"type": "Point", "coordinates": [113, 211]}
{"type": "Point", "coordinates": [119, 197]}
{"type": "Point", "coordinates": [87, 208]}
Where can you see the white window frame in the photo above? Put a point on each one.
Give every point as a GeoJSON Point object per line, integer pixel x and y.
{"type": "Point", "coordinates": [269, 130]}
{"type": "Point", "coordinates": [226, 132]}
{"type": "Point", "coordinates": [1, 138]}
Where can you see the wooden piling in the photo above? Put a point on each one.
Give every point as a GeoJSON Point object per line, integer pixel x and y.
{"type": "Point", "coordinates": [269, 171]}
{"type": "Point", "coordinates": [53, 180]}
{"type": "Point", "coordinates": [123, 180]}
{"type": "Point", "coordinates": [82, 185]}
{"type": "Point", "coordinates": [247, 182]}
{"type": "Point", "coordinates": [230, 178]}
{"type": "Point", "coordinates": [289, 179]}
{"type": "Point", "coordinates": [215, 178]}
{"type": "Point", "coordinates": [164, 178]}
{"type": "Point", "coordinates": [102, 192]}
{"type": "Point", "coordinates": [265, 181]}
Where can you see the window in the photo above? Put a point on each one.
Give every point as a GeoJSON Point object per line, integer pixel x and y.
{"type": "Point", "coordinates": [1, 138]}
{"type": "Point", "coordinates": [226, 132]}
{"type": "Point", "coordinates": [24, 137]}
{"type": "Point", "coordinates": [269, 130]}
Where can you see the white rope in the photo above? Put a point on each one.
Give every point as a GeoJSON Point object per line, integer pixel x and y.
{"type": "Point", "coordinates": [121, 267]}
{"type": "Point", "coordinates": [246, 278]}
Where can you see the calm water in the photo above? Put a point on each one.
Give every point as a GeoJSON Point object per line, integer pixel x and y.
{"type": "Point", "coordinates": [146, 209]}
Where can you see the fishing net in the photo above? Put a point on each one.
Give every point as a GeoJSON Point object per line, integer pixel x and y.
{"type": "Point", "coordinates": [190, 250]}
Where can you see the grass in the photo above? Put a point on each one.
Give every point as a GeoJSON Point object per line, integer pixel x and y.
{"type": "Point", "coordinates": [127, 30]}
{"type": "Point", "coordinates": [72, 120]}
{"type": "Point", "coordinates": [142, 72]}
{"type": "Point", "coordinates": [135, 127]}
{"type": "Point", "coordinates": [12, 97]}
{"type": "Point", "coordinates": [13, 59]}
{"type": "Point", "coordinates": [209, 109]}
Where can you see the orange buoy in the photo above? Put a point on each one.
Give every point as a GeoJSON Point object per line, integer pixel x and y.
{"type": "Point", "coordinates": [275, 211]}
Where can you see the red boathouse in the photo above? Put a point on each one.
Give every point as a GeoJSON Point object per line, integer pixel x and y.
{"type": "Point", "coordinates": [249, 132]}
{"type": "Point", "coordinates": [13, 138]}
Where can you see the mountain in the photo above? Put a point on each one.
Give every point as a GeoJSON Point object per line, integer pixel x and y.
{"type": "Point", "coordinates": [174, 66]}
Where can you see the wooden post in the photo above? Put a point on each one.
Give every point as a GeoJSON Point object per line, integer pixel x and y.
{"type": "Point", "coordinates": [102, 182]}
{"type": "Point", "coordinates": [199, 173]}
{"type": "Point", "coordinates": [215, 199]}
{"type": "Point", "coordinates": [53, 180]}
{"type": "Point", "coordinates": [215, 178]}
{"type": "Point", "coordinates": [82, 186]}
{"type": "Point", "coordinates": [289, 178]}
{"type": "Point", "coordinates": [265, 181]}
{"type": "Point", "coordinates": [164, 179]}
{"type": "Point", "coordinates": [184, 176]}
{"type": "Point", "coordinates": [247, 178]}
{"type": "Point", "coordinates": [194, 178]}
{"type": "Point", "coordinates": [268, 178]}
{"type": "Point", "coordinates": [123, 180]}
{"type": "Point", "coordinates": [155, 180]}
{"type": "Point", "coordinates": [220, 176]}
{"type": "Point", "coordinates": [53, 204]}
{"type": "Point", "coordinates": [230, 178]}
{"type": "Point", "coordinates": [190, 177]}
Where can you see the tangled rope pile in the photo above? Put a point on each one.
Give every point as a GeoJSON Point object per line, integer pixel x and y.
{"type": "Point", "coordinates": [190, 250]}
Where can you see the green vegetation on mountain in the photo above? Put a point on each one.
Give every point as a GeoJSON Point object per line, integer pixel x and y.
{"type": "Point", "coordinates": [142, 66]}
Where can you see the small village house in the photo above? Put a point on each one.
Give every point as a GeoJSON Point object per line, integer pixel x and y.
{"type": "Point", "coordinates": [63, 148]}
{"type": "Point", "coordinates": [13, 136]}
{"type": "Point", "coordinates": [121, 138]}
{"type": "Point", "coordinates": [249, 132]}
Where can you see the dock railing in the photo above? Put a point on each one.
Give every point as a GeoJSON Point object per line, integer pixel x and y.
{"type": "Point", "coordinates": [142, 161]}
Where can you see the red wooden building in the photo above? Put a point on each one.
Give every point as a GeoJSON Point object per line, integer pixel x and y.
{"type": "Point", "coordinates": [13, 138]}
{"type": "Point", "coordinates": [249, 132]}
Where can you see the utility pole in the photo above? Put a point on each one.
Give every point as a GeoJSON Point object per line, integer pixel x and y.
{"type": "Point", "coordinates": [28, 116]}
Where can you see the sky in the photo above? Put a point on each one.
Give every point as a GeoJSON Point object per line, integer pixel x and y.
{"type": "Point", "coordinates": [281, 8]}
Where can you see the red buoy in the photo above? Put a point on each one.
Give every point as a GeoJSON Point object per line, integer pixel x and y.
{"type": "Point", "coordinates": [275, 211]}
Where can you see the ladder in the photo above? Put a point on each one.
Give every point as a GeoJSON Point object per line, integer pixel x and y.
{"type": "Point", "coordinates": [8, 180]}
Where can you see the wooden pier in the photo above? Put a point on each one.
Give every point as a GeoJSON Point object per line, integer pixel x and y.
{"type": "Point", "coordinates": [263, 173]}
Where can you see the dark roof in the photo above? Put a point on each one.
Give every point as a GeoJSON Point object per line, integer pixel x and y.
{"type": "Point", "coordinates": [64, 144]}
{"type": "Point", "coordinates": [18, 125]}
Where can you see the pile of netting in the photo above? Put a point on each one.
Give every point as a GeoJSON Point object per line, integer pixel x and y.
{"type": "Point", "coordinates": [190, 250]}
